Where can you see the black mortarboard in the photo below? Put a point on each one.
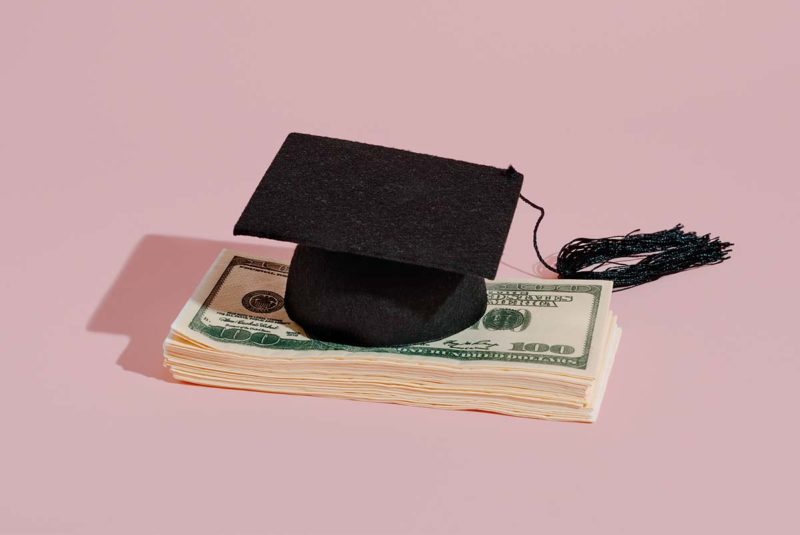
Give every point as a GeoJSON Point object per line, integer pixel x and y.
{"type": "Point", "coordinates": [393, 246]}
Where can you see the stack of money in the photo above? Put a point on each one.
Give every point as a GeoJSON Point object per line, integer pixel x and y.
{"type": "Point", "coordinates": [543, 349]}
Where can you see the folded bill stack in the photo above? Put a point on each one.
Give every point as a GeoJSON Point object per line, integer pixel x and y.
{"type": "Point", "coordinates": [543, 348]}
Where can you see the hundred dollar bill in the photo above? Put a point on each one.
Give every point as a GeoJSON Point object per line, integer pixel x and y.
{"type": "Point", "coordinates": [556, 326]}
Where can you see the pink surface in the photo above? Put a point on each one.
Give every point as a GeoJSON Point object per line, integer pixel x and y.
{"type": "Point", "coordinates": [131, 137]}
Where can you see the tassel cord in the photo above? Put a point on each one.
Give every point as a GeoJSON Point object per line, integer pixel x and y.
{"type": "Point", "coordinates": [536, 233]}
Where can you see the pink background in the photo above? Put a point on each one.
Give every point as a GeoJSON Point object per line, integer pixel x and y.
{"type": "Point", "coordinates": [131, 136]}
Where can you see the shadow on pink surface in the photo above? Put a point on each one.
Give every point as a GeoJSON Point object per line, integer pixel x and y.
{"type": "Point", "coordinates": [536, 270]}
{"type": "Point", "coordinates": [158, 278]}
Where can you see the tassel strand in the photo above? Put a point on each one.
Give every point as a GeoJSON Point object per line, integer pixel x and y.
{"type": "Point", "coordinates": [633, 259]}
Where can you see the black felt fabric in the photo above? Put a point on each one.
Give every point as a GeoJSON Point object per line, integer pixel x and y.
{"type": "Point", "coordinates": [363, 301]}
{"type": "Point", "coordinates": [385, 203]}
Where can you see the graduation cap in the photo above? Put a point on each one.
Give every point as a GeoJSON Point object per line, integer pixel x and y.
{"type": "Point", "coordinates": [393, 246]}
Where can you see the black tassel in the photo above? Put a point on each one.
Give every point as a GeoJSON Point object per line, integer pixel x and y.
{"type": "Point", "coordinates": [615, 258]}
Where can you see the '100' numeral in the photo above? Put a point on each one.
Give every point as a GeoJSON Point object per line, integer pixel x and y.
{"type": "Point", "coordinates": [536, 347]}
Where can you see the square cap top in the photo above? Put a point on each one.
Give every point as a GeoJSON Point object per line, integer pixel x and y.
{"type": "Point", "coordinates": [385, 203]}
